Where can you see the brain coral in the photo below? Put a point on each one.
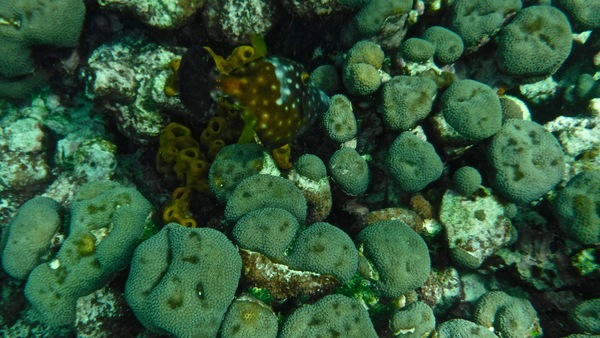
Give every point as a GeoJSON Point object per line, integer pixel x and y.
{"type": "Point", "coordinates": [371, 17]}
{"type": "Point", "coordinates": [472, 109]}
{"type": "Point", "coordinates": [413, 163]}
{"type": "Point", "coordinates": [448, 45]}
{"type": "Point", "coordinates": [25, 24]}
{"type": "Point", "coordinates": [350, 171]}
{"type": "Point", "coordinates": [248, 318]}
{"type": "Point", "coordinates": [477, 20]}
{"type": "Point", "coordinates": [325, 249]}
{"type": "Point", "coordinates": [269, 231]}
{"type": "Point", "coordinates": [406, 101]}
{"type": "Point", "coordinates": [29, 235]}
{"type": "Point", "coordinates": [232, 164]}
{"type": "Point", "coordinates": [339, 121]}
{"type": "Point", "coordinates": [534, 44]}
{"type": "Point", "coordinates": [332, 316]}
{"type": "Point", "coordinates": [512, 317]}
{"type": "Point", "coordinates": [262, 191]}
{"type": "Point", "coordinates": [466, 180]}
{"type": "Point", "coordinates": [417, 50]}
{"type": "Point", "coordinates": [586, 316]}
{"type": "Point", "coordinates": [107, 221]}
{"type": "Point", "coordinates": [182, 281]}
{"type": "Point", "coordinates": [527, 161]}
{"type": "Point", "coordinates": [399, 255]}
{"type": "Point", "coordinates": [461, 328]}
{"type": "Point", "coordinates": [361, 78]}
{"type": "Point", "coordinates": [360, 73]}
{"type": "Point", "coordinates": [583, 14]}
{"type": "Point", "coordinates": [413, 321]}
{"type": "Point", "coordinates": [311, 166]}
{"type": "Point", "coordinates": [576, 208]}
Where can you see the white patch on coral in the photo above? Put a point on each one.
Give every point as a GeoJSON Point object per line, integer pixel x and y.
{"type": "Point", "coordinates": [269, 165]}
{"type": "Point", "coordinates": [54, 264]}
{"type": "Point", "coordinates": [541, 91]}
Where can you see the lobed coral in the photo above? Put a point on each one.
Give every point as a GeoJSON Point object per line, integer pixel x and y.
{"type": "Point", "coordinates": [107, 222]}
{"type": "Point", "coordinates": [182, 280]}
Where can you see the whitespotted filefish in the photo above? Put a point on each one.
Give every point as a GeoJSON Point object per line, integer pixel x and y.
{"type": "Point", "coordinates": [274, 94]}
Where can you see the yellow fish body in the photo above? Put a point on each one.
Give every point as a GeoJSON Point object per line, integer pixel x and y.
{"type": "Point", "coordinates": [274, 97]}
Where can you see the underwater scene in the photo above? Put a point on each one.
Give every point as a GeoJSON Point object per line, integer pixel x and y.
{"type": "Point", "coordinates": [300, 168]}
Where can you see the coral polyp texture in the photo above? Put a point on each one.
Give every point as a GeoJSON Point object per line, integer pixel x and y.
{"type": "Point", "coordinates": [535, 43]}
{"type": "Point", "coordinates": [299, 168]}
{"type": "Point", "coordinates": [107, 222]}
{"type": "Point", "coordinates": [182, 281]}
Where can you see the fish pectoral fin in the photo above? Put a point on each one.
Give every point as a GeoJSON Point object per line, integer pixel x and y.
{"type": "Point", "coordinates": [248, 132]}
{"type": "Point", "coordinates": [259, 45]}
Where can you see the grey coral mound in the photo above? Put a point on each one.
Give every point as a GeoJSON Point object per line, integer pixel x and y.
{"type": "Point", "coordinates": [534, 44]}
{"type": "Point", "coordinates": [527, 161]}
{"type": "Point", "coordinates": [262, 191]}
{"type": "Point", "coordinates": [399, 255]}
{"type": "Point", "coordinates": [107, 221]}
{"type": "Point", "coordinates": [586, 316]}
{"type": "Point", "coordinates": [332, 316]}
{"type": "Point", "coordinates": [406, 101]}
{"type": "Point", "coordinates": [461, 328]}
{"type": "Point", "coordinates": [472, 109]}
{"type": "Point", "coordinates": [29, 235]}
{"type": "Point", "coordinates": [413, 163]}
{"type": "Point", "coordinates": [269, 231]}
{"type": "Point", "coordinates": [413, 321]}
{"type": "Point", "coordinates": [325, 249]}
{"type": "Point", "coordinates": [182, 281]}
{"type": "Point", "coordinates": [511, 317]}
{"type": "Point", "coordinates": [249, 318]}
{"type": "Point", "coordinates": [576, 208]}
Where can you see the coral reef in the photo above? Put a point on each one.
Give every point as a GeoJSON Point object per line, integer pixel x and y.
{"type": "Point", "coordinates": [263, 168]}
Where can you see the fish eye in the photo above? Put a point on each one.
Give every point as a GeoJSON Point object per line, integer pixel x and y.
{"type": "Point", "coordinates": [304, 77]}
